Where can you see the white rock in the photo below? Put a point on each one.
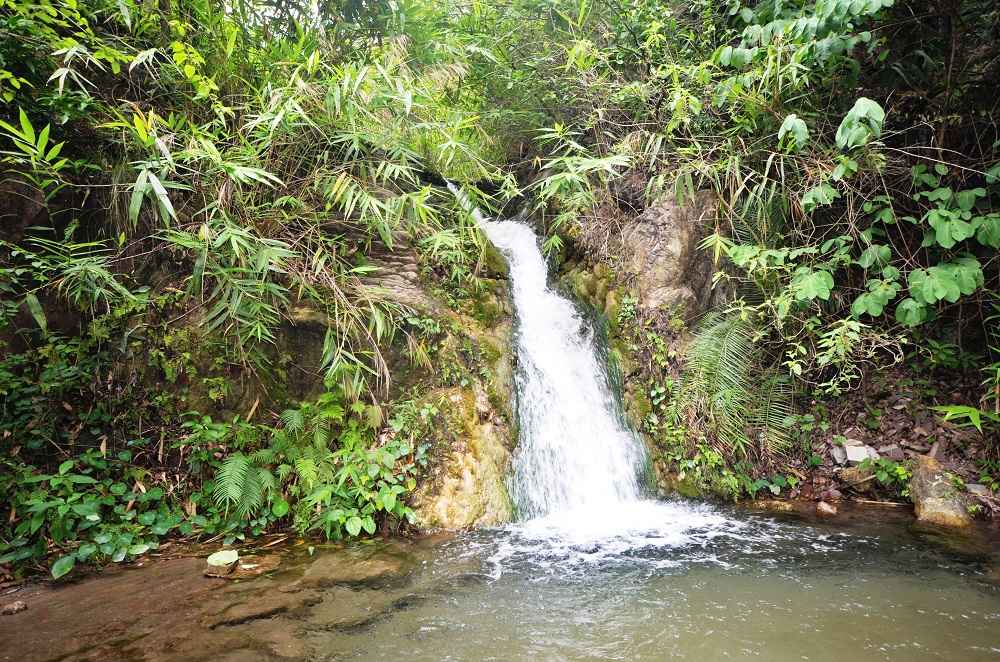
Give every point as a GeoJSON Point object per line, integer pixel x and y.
{"type": "Point", "coordinates": [857, 454]}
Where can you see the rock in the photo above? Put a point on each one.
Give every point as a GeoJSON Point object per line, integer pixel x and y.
{"type": "Point", "coordinates": [858, 454]}
{"type": "Point", "coordinates": [824, 509]}
{"type": "Point", "coordinates": [858, 479]}
{"type": "Point", "coordinates": [850, 441]}
{"type": "Point", "coordinates": [921, 431]}
{"type": "Point", "coordinates": [12, 608]}
{"type": "Point", "coordinates": [660, 250]}
{"type": "Point", "coordinates": [376, 567]}
{"type": "Point", "coordinates": [916, 446]}
{"type": "Point", "coordinates": [977, 489]}
{"type": "Point", "coordinates": [245, 567]}
{"type": "Point", "coordinates": [935, 499]}
{"type": "Point", "coordinates": [893, 452]}
{"type": "Point", "coordinates": [838, 453]}
{"type": "Point", "coordinates": [832, 494]}
{"type": "Point", "coordinates": [469, 488]}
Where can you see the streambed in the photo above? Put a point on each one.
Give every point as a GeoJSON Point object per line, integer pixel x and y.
{"type": "Point", "coordinates": [660, 581]}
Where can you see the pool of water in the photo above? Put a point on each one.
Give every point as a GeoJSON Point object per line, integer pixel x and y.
{"type": "Point", "coordinates": [635, 581]}
{"type": "Point", "coordinates": [676, 581]}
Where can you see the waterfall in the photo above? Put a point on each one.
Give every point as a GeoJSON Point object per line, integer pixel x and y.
{"type": "Point", "coordinates": [574, 451]}
{"type": "Point", "coordinates": [574, 454]}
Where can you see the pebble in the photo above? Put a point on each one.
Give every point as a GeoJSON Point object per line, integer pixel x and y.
{"type": "Point", "coordinates": [13, 608]}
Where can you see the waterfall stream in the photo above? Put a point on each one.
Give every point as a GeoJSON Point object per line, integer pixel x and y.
{"type": "Point", "coordinates": [574, 451]}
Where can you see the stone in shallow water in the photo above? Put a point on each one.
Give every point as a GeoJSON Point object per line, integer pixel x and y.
{"type": "Point", "coordinates": [824, 509]}
{"type": "Point", "coordinates": [344, 569]}
{"type": "Point", "coordinates": [13, 608]}
{"type": "Point", "coordinates": [935, 499]}
{"type": "Point", "coordinates": [245, 567]}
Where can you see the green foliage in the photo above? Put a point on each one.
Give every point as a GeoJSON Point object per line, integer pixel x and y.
{"type": "Point", "coordinates": [748, 415]}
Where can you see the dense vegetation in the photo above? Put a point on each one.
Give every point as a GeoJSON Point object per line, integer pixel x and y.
{"type": "Point", "coordinates": [181, 177]}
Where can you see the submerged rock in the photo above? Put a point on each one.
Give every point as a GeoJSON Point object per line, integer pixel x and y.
{"type": "Point", "coordinates": [935, 499]}
{"type": "Point", "coordinates": [824, 509]}
{"type": "Point", "coordinates": [245, 567]}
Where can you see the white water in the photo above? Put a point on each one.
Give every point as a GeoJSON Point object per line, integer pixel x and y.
{"type": "Point", "coordinates": [574, 452]}
{"type": "Point", "coordinates": [576, 475]}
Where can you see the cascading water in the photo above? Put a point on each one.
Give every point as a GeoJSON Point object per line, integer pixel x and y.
{"type": "Point", "coordinates": [576, 474]}
{"type": "Point", "coordinates": [574, 451]}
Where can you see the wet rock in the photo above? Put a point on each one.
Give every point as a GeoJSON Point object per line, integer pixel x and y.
{"type": "Point", "coordinates": [660, 250]}
{"type": "Point", "coordinates": [977, 489]}
{"type": "Point", "coordinates": [12, 608]}
{"type": "Point", "coordinates": [893, 452]}
{"type": "Point", "coordinates": [245, 567]}
{"type": "Point", "coordinates": [832, 494]}
{"type": "Point", "coordinates": [824, 509]}
{"type": "Point", "coordinates": [935, 499]}
{"type": "Point", "coordinates": [856, 478]}
{"type": "Point", "coordinates": [258, 605]}
{"type": "Point", "coordinates": [344, 569]}
{"type": "Point", "coordinates": [469, 488]}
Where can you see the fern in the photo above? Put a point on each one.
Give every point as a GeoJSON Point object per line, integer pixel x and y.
{"type": "Point", "coordinates": [230, 480]}
{"type": "Point", "coordinates": [746, 405]}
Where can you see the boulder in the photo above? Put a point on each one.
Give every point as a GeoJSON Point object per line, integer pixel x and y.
{"type": "Point", "coordinates": [858, 479]}
{"type": "Point", "coordinates": [893, 452]}
{"type": "Point", "coordinates": [935, 499]}
{"type": "Point", "coordinates": [977, 489]}
{"type": "Point", "coordinates": [660, 251]}
{"type": "Point", "coordinates": [858, 454]}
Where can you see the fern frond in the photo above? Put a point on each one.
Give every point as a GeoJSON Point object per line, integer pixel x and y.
{"type": "Point", "coordinates": [230, 480]}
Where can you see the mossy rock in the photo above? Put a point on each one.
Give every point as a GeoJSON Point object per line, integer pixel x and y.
{"type": "Point", "coordinates": [468, 488]}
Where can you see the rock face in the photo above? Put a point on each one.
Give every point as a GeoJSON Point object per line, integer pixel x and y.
{"type": "Point", "coordinates": [660, 251]}
{"type": "Point", "coordinates": [474, 432]}
{"type": "Point", "coordinates": [935, 499]}
{"type": "Point", "coordinates": [469, 487]}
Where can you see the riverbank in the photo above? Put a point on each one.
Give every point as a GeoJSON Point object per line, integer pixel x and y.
{"type": "Point", "coordinates": [458, 595]}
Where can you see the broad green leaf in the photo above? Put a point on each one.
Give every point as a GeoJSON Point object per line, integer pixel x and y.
{"type": "Point", "coordinates": [876, 254]}
{"type": "Point", "coordinates": [812, 284]}
{"type": "Point", "coordinates": [910, 312]}
{"type": "Point", "coordinates": [988, 230]}
{"type": "Point", "coordinates": [861, 124]}
{"type": "Point", "coordinates": [823, 194]}
{"type": "Point", "coordinates": [280, 508]}
{"type": "Point", "coordinates": [796, 128]}
{"type": "Point", "coordinates": [949, 227]}
{"type": "Point", "coordinates": [63, 565]}
{"type": "Point", "coordinates": [37, 313]}
{"type": "Point", "coordinates": [353, 525]}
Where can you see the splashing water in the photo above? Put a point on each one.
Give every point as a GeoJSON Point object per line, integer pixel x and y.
{"type": "Point", "coordinates": [574, 451]}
